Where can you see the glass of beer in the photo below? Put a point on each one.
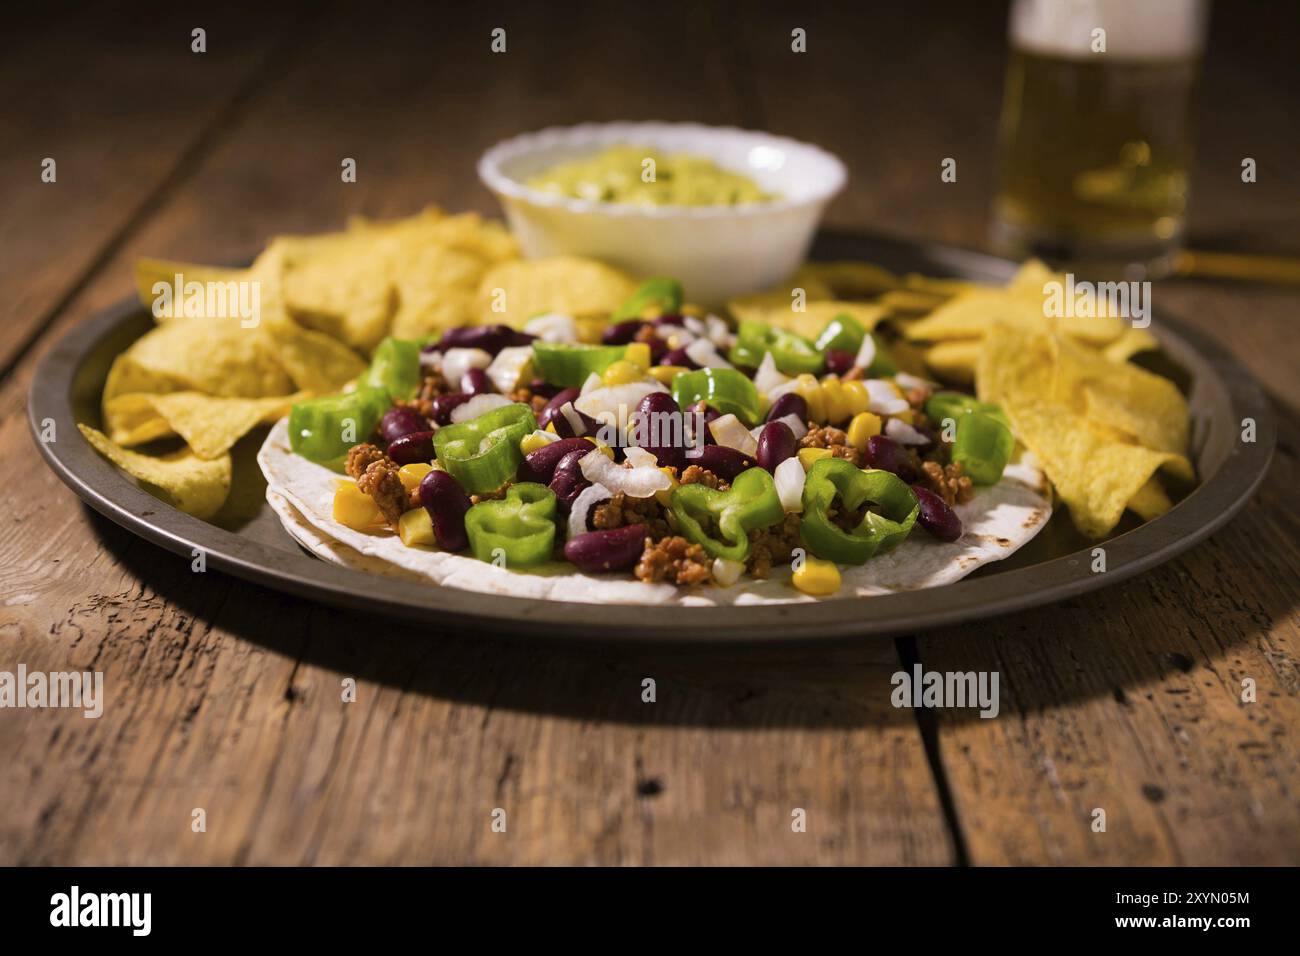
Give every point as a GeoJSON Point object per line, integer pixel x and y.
{"type": "Point", "coordinates": [1095, 139]}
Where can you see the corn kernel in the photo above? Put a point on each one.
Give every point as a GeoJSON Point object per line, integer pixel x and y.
{"type": "Point", "coordinates": [665, 497]}
{"type": "Point", "coordinates": [356, 509]}
{"type": "Point", "coordinates": [551, 428]}
{"type": "Point", "coordinates": [590, 329]}
{"type": "Point", "coordinates": [638, 353]}
{"type": "Point", "coordinates": [622, 372]}
{"type": "Point", "coordinates": [608, 452]}
{"type": "Point", "coordinates": [413, 474]}
{"type": "Point", "coordinates": [817, 577]}
{"type": "Point", "coordinates": [864, 426]}
{"type": "Point", "coordinates": [664, 374]}
{"type": "Point", "coordinates": [907, 415]}
{"type": "Point", "coordinates": [810, 456]}
{"type": "Point", "coordinates": [832, 392]}
{"type": "Point", "coordinates": [531, 442]}
{"type": "Point", "coordinates": [856, 398]}
{"type": "Point", "coordinates": [811, 390]}
{"type": "Point", "coordinates": [415, 527]}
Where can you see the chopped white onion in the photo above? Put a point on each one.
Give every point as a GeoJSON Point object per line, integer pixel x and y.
{"type": "Point", "coordinates": [613, 405]}
{"type": "Point", "coordinates": [883, 397]}
{"type": "Point", "coordinates": [476, 406]}
{"type": "Point", "coordinates": [904, 433]}
{"type": "Point", "coordinates": [592, 383]}
{"type": "Point", "coordinates": [705, 354]}
{"type": "Point", "coordinates": [640, 482]}
{"type": "Point", "coordinates": [867, 353]}
{"type": "Point", "coordinates": [508, 367]}
{"type": "Point", "coordinates": [574, 419]}
{"type": "Point", "coordinates": [639, 457]}
{"type": "Point", "coordinates": [553, 327]}
{"type": "Point", "coordinates": [768, 378]}
{"type": "Point", "coordinates": [727, 572]}
{"type": "Point", "coordinates": [796, 425]}
{"type": "Point", "coordinates": [669, 333]}
{"type": "Point", "coordinates": [694, 325]}
{"type": "Point", "coordinates": [456, 362]}
{"type": "Point", "coordinates": [789, 479]}
{"type": "Point", "coordinates": [728, 430]}
{"type": "Point", "coordinates": [587, 499]}
{"type": "Point", "coordinates": [719, 332]}
{"type": "Point", "coordinates": [431, 361]}
{"type": "Point", "coordinates": [906, 380]}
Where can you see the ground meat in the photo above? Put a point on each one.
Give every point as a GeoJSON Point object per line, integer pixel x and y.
{"type": "Point", "coordinates": [524, 396]}
{"type": "Point", "coordinates": [381, 482]}
{"type": "Point", "coordinates": [949, 482]}
{"type": "Point", "coordinates": [620, 511]}
{"type": "Point", "coordinates": [433, 386]}
{"type": "Point", "coordinates": [361, 457]}
{"type": "Point", "coordinates": [772, 546]}
{"type": "Point", "coordinates": [422, 406]}
{"type": "Point", "coordinates": [695, 475]}
{"type": "Point", "coordinates": [675, 560]}
{"type": "Point", "coordinates": [833, 439]}
{"type": "Point", "coordinates": [647, 334]}
{"type": "Point", "coordinates": [490, 495]}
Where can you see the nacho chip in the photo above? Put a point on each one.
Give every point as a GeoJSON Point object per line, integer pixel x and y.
{"type": "Point", "coordinates": [912, 301]}
{"type": "Point", "coordinates": [954, 361]}
{"type": "Point", "coordinates": [343, 292]}
{"type": "Point", "coordinates": [181, 479]}
{"type": "Point", "coordinates": [782, 295]}
{"type": "Point", "coordinates": [209, 425]}
{"type": "Point", "coordinates": [215, 356]}
{"type": "Point", "coordinates": [1130, 343]}
{"type": "Point", "coordinates": [1151, 501]}
{"type": "Point", "coordinates": [810, 322]}
{"type": "Point", "coordinates": [149, 273]}
{"type": "Point", "coordinates": [314, 361]}
{"type": "Point", "coordinates": [437, 290]}
{"type": "Point", "coordinates": [514, 292]}
{"type": "Point", "coordinates": [846, 280]}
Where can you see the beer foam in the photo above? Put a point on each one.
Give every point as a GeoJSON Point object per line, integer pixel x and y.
{"type": "Point", "coordinates": [1166, 29]}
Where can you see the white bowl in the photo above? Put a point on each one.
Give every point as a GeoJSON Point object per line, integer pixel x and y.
{"type": "Point", "coordinates": [716, 251]}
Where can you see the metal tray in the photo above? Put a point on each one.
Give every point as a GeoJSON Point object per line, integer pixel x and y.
{"type": "Point", "coordinates": [247, 541]}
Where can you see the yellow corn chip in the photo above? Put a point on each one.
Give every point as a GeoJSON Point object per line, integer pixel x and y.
{"type": "Point", "coordinates": [152, 275]}
{"type": "Point", "coordinates": [182, 479]}
{"type": "Point", "coordinates": [1130, 343]}
{"type": "Point", "coordinates": [209, 425]}
{"type": "Point", "coordinates": [514, 292]}
{"type": "Point", "coordinates": [1150, 500]}
{"type": "Point", "coordinates": [847, 280]}
{"type": "Point", "coordinates": [954, 361]}
{"type": "Point", "coordinates": [215, 356]}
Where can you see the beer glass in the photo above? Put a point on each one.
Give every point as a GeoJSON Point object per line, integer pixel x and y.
{"type": "Point", "coordinates": [1095, 139]}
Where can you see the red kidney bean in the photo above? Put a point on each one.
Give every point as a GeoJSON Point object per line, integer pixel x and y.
{"type": "Point", "coordinates": [490, 338]}
{"type": "Point", "coordinates": [670, 320]}
{"type": "Point", "coordinates": [679, 357]}
{"type": "Point", "coordinates": [776, 443]}
{"type": "Point", "coordinates": [446, 502]}
{"type": "Point", "coordinates": [621, 333]}
{"type": "Point", "coordinates": [417, 446]}
{"type": "Point", "coordinates": [614, 550]}
{"type": "Point", "coordinates": [660, 421]}
{"type": "Point", "coordinates": [724, 462]}
{"type": "Point", "coordinates": [540, 386]}
{"type": "Point", "coordinates": [564, 427]}
{"type": "Point", "coordinates": [567, 482]}
{"type": "Point", "coordinates": [838, 361]}
{"type": "Point", "coordinates": [476, 382]}
{"type": "Point", "coordinates": [553, 406]}
{"type": "Point", "coordinates": [444, 405]}
{"type": "Point", "coordinates": [401, 420]}
{"type": "Point", "coordinates": [791, 403]}
{"type": "Point", "coordinates": [885, 453]}
{"type": "Point", "coordinates": [935, 516]}
{"type": "Point", "coordinates": [539, 465]}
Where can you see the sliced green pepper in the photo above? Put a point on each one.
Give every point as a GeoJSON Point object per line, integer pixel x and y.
{"type": "Point", "coordinates": [664, 295]}
{"type": "Point", "coordinates": [792, 353]}
{"type": "Point", "coordinates": [727, 390]}
{"type": "Point", "coordinates": [830, 478]}
{"type": "Point", "coordinates": [983, 442]}
{"type": "Point", "coordinates": [394, 367]}
{"type": "Point", "coordinates": [751, 502]}
{"type": "Point", "coordinates": [323, 429]}
{"type": "Point", "coordinates": [843, 332]}
{"type": "Point", "coordinates": [517, 531]}
{"type": "Point", "coordinates": [482, 454]}
{"type": "Point", "coordinates": [568, 364]}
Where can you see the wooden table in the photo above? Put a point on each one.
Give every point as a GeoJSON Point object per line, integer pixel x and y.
{"type": "Point", "coordinates": [224, 696]}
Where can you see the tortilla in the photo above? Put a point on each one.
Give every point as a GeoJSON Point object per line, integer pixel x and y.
{"type": "Point", "coordinates": [999, 520]}
{"type": "Point", "coordinates": [181, 479]}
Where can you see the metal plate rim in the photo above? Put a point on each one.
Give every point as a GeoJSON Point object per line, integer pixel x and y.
{"type": "Point", "coordinates": [1211, 505]}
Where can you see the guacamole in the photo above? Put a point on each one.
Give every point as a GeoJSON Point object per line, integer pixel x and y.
{"type": "Point", "coordinates": [619, 175]}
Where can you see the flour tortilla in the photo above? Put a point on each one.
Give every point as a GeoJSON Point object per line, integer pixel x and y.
{"type": "Point", "coordinates": [996, 522]}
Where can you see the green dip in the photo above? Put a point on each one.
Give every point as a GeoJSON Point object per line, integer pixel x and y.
{"type": "Point", "coordinates": [618, 175]}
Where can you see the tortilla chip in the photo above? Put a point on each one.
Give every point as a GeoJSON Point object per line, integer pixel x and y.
{"type": "Point", "coordinates": [181, 479]}
{"type": "Point", "coordinates": [1095, 475]}
{"type": "Point", "coordinates": [344, 293]}
{"type": "Point", "coordinates": [514, 292]}
{"type": "Point", "coordinates": [315, 362]}
{"type": "Point", "coordinates": [209, 425]}
{"type": "Point", "coordinates": [150, 272]}
{"type": "Point", "coordinates": [1130, 343]}
{"type": "Point", "coordinates": [215, 356]}
{"type": "Point", "coordinates": [846, 280]}
{"type": "Point", "coordinates": [912, 301]}
{"type": "Point", "coordinates": [437, 290]}
{"type": "Point", "coordinates": [954, 361]}
{"type": "Point", "coordinates": [1150, 500]}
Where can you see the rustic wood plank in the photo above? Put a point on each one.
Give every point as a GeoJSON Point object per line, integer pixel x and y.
{"type": "Point", "coordinates": [225, 696]}
{"type": "Point", "coordinates": [85, 91]}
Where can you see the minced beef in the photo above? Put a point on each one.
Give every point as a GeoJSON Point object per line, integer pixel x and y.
{"type": "Point", "coordinates": [833, 439]}
{"type": "Point", "coordinates": [772, 546]}
{"type": "Point", "coordinates": [620, 511]}
{"type": "Point", "coordinates": [949, 482]}
{"type": "Point", "coordinates": [675, 560]}
{"type": "Point", "coordinates": [695, 475]}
